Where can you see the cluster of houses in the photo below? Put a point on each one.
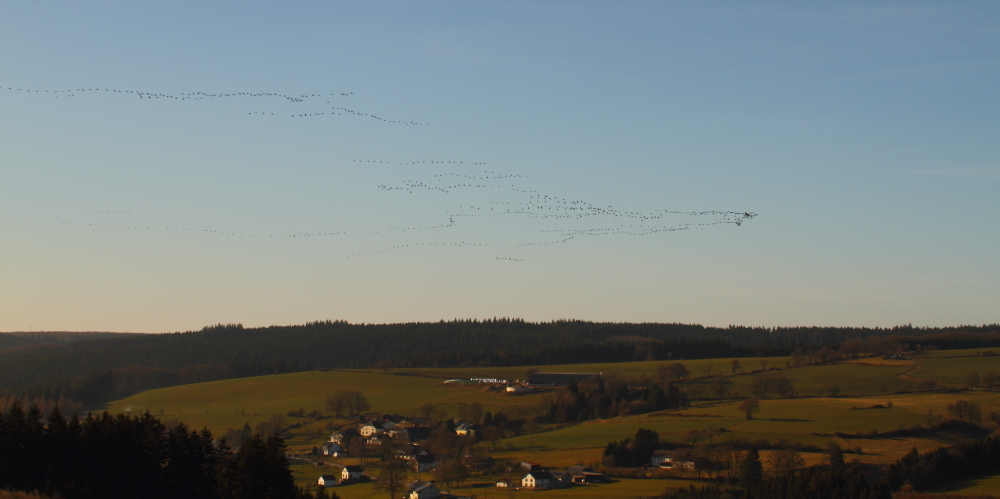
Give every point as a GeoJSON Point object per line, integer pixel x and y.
{"type": "Point", "coordinates": [537, 477]}
{"type": "Point", "coordinates": [378, 427]}
{"type": "Point", "coordinates": [416, 489]}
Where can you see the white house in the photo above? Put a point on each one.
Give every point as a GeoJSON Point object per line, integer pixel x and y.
{"type": "Point", "coordinates": [503, 483]}
{"type": "Point", "coordinates": [327, 480]}
{"type": "Point", "coordinates": [537, 480]}
{"type": "Point", "coordinates": [351, 473]}
{"type": "Point", "coordinates": [422, 490]}
{"type": "Point", "coordinates": [372, 428]}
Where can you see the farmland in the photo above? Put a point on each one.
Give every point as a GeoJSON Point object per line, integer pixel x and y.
{"type": "Point", "coordinates": [866, 406]}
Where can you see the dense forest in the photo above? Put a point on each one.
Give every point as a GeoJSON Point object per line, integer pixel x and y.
{"type": "Point", "coordinates": [122, 456]}
{"type": "Point", "coordinates": [96, 367]}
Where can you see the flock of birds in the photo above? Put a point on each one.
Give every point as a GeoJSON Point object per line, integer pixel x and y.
{"type": "Point", "coordinates": [518, 202]}
{"type": "Point", "coordinates": [190, 96]}
{"type": "Point", "coordinates": [493, 193]}
{"type": "Point", "coordinates": [530, 204]}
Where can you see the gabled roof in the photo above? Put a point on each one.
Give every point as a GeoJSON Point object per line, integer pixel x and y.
{"type": "Point", "coordinates": [329, 477]}
{"type": "Point", "coordinates": [540, 475]}
{"type": "Point", "coordinates": [353, 469]}
{"type": "Point", "coordinates": [418, 485]}
{"type": "Point", "coordinates": [424, 458]}
{"type": "Point", "coordinates": [408, 450]}
{"type": "Point", "coordinates": [375, 424]}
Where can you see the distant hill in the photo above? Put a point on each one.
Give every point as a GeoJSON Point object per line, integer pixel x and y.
{"type": "Point", "coordinates": [107, 365]}
{"type": "Point", "coordinates": [24, 338]}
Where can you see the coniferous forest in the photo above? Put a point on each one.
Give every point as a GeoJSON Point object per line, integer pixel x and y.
{"type": "Point", "coordinates": [122, 456]}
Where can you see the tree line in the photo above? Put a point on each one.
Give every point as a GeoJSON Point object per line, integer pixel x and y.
{"type": "Point", "coordinates": [122, 456]}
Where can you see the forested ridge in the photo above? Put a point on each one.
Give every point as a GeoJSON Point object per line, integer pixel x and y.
{"type": "Point", "coordinates": [92, 370]}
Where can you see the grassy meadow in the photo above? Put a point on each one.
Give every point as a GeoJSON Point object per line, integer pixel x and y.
{"type": "Point", "coordinates": [224, 404]}
{"type": "Point", "coordinates": [807, 419]}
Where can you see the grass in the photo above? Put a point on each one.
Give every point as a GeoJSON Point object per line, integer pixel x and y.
{"type": "Point", "coordinates": [597, 434]}
{"type": "Point", "coordinates": [219, 405]}
{"type": "Point", "coordinates": [852, 379]}
{"type": "Point", "coordinates": [954, 369]}
{"type": "Point", "coordinates": [809, 420]}
{"type": "Point", "coordinates": [626, 369]}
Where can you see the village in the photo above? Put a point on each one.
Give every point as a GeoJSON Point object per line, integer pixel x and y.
{"type": "Point", "coordinates": [405, 446]}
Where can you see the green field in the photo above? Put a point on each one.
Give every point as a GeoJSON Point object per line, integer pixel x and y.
{"type": "Point", "coordinates": [625, 369]}
{"type": "Point", "coordinates": [809, 420]}
{"type": "Point", "coordinates": [219, 405]}
{"type": "Point", "coordinates": [953, 370]}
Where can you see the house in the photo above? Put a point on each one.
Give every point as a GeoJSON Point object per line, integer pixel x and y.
{"type": "Point", "coordinates": [422, 490]}
{"type": "Point", "coordinates": [372, 428]}
{"type": "Point", "coordinates": [410, 451]}
{"type": "Point", "coordinates": [327, 480]}
{"type": "Point", "coordinates": [582, 475]}
{"type": "Point", "coordinates": [424, 461]}
{"type": "Point", "coordinates": [351, 473]}
{"type": "Point", "coordinates": [561, 479]}
{"type": "Point", "coordinates": [529, 466]}
{"type": "Point", "coordinates": [332, 449]}
{"type": "Point", "coordinates": [503, 483]}
{"type": "Point", "coordinates": [375, 440]}
{"type": "Point", "coordinates": [466, 429]}
{"type": "Point", "coordinates": [343, 436]}
{"type": "Point", "coordinates": [559, 379]}
{"type": "Point", "coordinates": [681, 459]}
{"type": "Point", "coordinates": [537, 480]}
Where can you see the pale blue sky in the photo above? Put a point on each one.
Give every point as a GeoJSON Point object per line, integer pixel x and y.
{"type": "Point", "coordinates": [864, 137]}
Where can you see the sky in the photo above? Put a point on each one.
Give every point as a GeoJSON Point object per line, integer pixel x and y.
{"type": "Point", "coordinates": [170, 165]}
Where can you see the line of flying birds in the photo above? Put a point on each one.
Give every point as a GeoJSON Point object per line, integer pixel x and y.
{"type": "Point", "coordinates": [193, 96]}
{"type": "Point", "coordinates": [516, 201]}
{"type": "Point", "coordinates": [527, 204]}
